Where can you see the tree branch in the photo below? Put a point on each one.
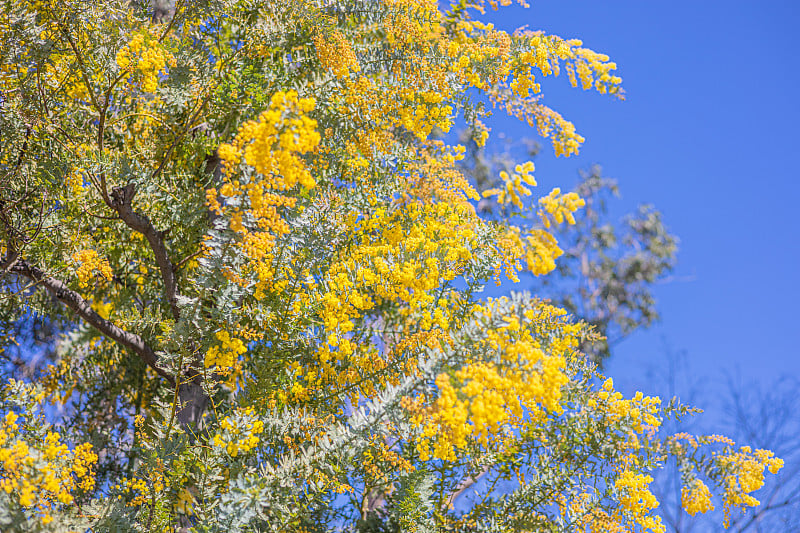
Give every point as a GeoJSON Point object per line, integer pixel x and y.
{"type": "Point", "coordinates": [82, 308]}
{"type": "Point", "coordinates": [121, 200]}
{"type": "Point", "coordinates": [192, 397]}
{"type": "Point", "coordinates": [465, 484]}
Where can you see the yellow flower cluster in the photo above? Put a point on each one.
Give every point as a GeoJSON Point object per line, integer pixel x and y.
{"type": "Point", "coordinates": [587, 515]}
{"type": "Point", "coordinates": [90, 264]}
{"type": "Point", "coordinates": [476, 46]}
{"type": "Point", "coordinates": [511, 81]}
{"type": "Point", "coordinates": [513, 189]}
{"type": "Point", "coordinates": [223, 357]}
{"type": "Point", "coordinates": [636, 500]}
{"type": "Point", "coordinates": [399, 256]}
{"type": "Point", "coordinates": [414, 23]}
{"type": "Point", "coordinates": [483, 400]}
{"type": "Point", "coordinates": [335, 53]}
{"type": "Point", "coordinates": [642, 411]}
{"type": "Point", "coordinates": [539, 249]}
{"type": "Point", "coordinates": [545, 54]}
{"type": "Point", "coordinates": [560, 207]}
{"type": "Point", "coordinates": [381, 107]}
{"type": "Point", "coordinates": [488, 398]}
{"type": "Point", "coordinates": [57, 74]}
{"type": "Point", "coordinates": [104, 309]}
{"type": "Point", "coordinates": [404, 254]}
{"type": "Point", "coordinates": [738, 473]}
{"type": "Point", "coordinates": [380, 462]}
{"type": "Point", "coordinates": [142, 490]}
{"type": "Point", "coordinates": [42, 474]}
{"type": "Point", "coordinates": [594, 70]}
{"type": "Point", "coordinates": [696, 498]}
{"type": "Point", "coordinates": [146, 58]}
{"type": "Point", "coordinates": [74, 181]}
{"type": "Point", "coordinates": [423, 8]}
{"type": "Point", "coordinates": [239, 432]}
{"type": "Point", "coordinates": [550, 123]}
{"type": "Point", "coordinates": [434, 178]}
{"type": "Point", "coordinates": [273, 145]}
{"type": "Point", "coordinates": [745, 474]}
{"type": "Point", "coordinates": [481, 134]}
{"type": "Point", "coordinates": [421, 117]}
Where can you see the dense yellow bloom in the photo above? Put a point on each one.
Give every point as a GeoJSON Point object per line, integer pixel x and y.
{"type": "Point", "coordinates": [386, 107]}
{"type": "Point", "coordinates": [239, 433]}
{"type": "Point", "coordinates": [274, 146]}
{"type": "Point", "coordinates": [560, 207]}
{"type": "Point", "coordinates": [696, 498]}
{"type": "Point", "coordinates": [637, 501]}
{"type": "Point", "coordinates": [74, 181]}
{"type": "Point", "coordinates": [223, 357]}
{"type": "Point", "coordinates": [333, 284]}
{"type": "Point", "coordinates": [434, 178]}
{"type": "Point", "coordinates": [538, 249]}
{"type": "Point", "coordinates": [480, 402]}
{"type": "Point", "coordinates": [745, 474]}
{"type": "Point", "coordinates": [514, 190]}
{"type": "Point", "coordinates": [42, 473]}
{"type": "Point", "coordinates": [90, 264]}
{"type": "Point", "coordinates": [335, 53]}
{"type": "Point", "coordinates": [145, 58]}
{"type": "Point", "coordinates": [641, 411]}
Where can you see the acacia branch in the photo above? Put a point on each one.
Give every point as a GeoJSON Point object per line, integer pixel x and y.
{"type": "Point", "coordinates": [465, 484]}
{"type": "Point", "coordinates": [191, 394]}
{"type": "Point", "coordinates": [82, 67]}
{"type": "Point", "coordinates": [121, 200]}
{"type": "Point", "coordinates": [83, 309]}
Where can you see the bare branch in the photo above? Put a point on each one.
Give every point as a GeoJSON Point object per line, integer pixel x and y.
{"type": "Point", "coordinates": [82, 308]}
{"type": "Point", "coordinates": [465, 484]}
{"type": "Point", "coordinates": [190, 392]}
{"type": "Point", "coordinates": [188, 258]}
{"type": "Point", "coordinates": [121, 200]}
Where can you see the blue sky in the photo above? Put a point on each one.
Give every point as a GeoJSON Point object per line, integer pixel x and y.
{"type": "Point", "coordinates": [707, 133]}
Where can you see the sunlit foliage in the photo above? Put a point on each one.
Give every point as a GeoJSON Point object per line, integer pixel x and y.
{"type": "Point", "coordinates": [268, 275]}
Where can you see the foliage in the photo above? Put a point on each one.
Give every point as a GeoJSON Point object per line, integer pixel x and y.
{"type": "Point", "coordinates": [606, 272]}
{"type": "Point", "coordinates": [267, 274]}
{"type": "Point", "coordinates": [612, 269]}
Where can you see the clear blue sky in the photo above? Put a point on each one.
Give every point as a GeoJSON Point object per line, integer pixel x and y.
{"type": "Point", "coordinates": [707, 133]}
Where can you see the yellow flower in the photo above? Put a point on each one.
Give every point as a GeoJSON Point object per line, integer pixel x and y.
{"type": "Point", "coordinates": [90, 263]}
{"type": "Point", "coordinates": [696, 498]}
{"type": "Point", "coordinates": [145, 58]}
{"type": "Point", "coordinates": [335, 53]}
{"type": "Point", "coordinates": [559, 207]}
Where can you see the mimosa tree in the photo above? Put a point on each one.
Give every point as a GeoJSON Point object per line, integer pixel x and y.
{"type": "Point", "coordinates": [267, 277]}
